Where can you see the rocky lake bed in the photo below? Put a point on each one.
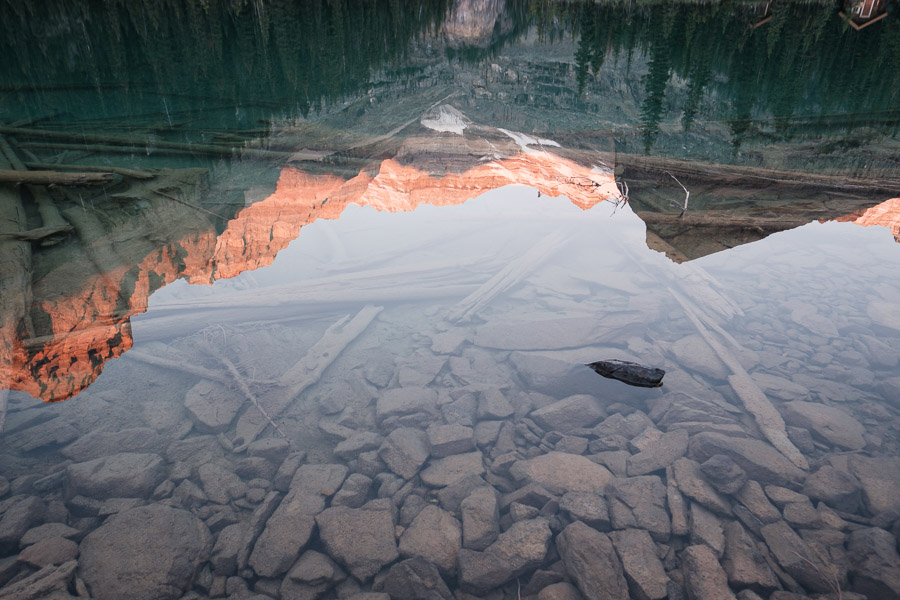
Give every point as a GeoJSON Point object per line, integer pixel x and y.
{"type": "Point", "coordinates": [453, 471]}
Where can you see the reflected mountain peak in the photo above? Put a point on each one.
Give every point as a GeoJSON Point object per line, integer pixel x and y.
{"type": "Point", "coordinates": [431, 107]}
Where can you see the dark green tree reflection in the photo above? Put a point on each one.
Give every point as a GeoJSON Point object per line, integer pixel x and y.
{"type": "Point", "coordinates": [804, 71]}
{"type": "Point", "coordinates": [247, 52]}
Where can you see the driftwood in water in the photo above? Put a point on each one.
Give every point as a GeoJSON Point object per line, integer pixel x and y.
{"type": "Point", "coordinates": [755, 401]}
{"type": "Point", "coordinates": [45, 203]}
{"type": "Point", "coordinates": [32, 120]}
{"type": "Point", "coordinates": [41, 233]}
{"type": "Point", "coordinates": [763, 224]}
{"type": "Point", "coordinates": [326, 350]}
{"type": "Point", "coordinates": [177, 365]}
{"type": "Point", "coordinates": [11, 157]}
{"type": "Point", "coordinates": [754, 176]}
{"type": "Point", "coordinates": [15, 272]}
{"type": "Point", "coordinates": [703, 288]}
{"type": "Point", "coordinates": [168, 324]}
{"type": "Point", "coordinates": [133, 173]}
{"type": "Point", "coordinates": [184, 150]}
{"type": "Point", "coordinates": [121, 143]}
{"type": "Point", "coordinates": [694, 281]}
{"type": "Point", "coordinates": [4, 400]}
{"type": "Point", "coordinates": [248, 393]}
{"type": "Point", "coordinates": [509, 276]}
{"type": "Point", "coordinates": [57, 178]}
{"type": "Point", "coordinates": [306, 372]}
{"type": "Point", "coordinates": [90, 230]}
{"type": "Point", "coordinates": [416, 282]}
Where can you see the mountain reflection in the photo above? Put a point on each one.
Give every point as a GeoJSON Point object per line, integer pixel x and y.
{"type": "Point", "coordinates": [236, 124]}
{"type": "Point", "coordinates": [82, 305]}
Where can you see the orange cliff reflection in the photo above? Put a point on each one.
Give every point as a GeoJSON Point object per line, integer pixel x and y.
{"type": "Point", "coordinates": [257, 234]}
{"type": "Point", "coordinates": [91, 325]}
{"type": "Point", "coordinates": [886, 214]}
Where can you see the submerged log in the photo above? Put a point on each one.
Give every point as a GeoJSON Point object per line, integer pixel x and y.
{"type": "Point", "coordinates": [57, 178]}
{"type": "Point", "coordinates": [41, 233]}
{"type": "Point", "coordinates": [754, 176]}
{"type": "Point", "coordinates": [105, 142]}
{"type": "Point", "coordinates": [248, 393]}
{"type": "Point", "coordinates": [90, 230]}
{"type": "Point", "coordinates": [509, 276]}
{"type": "Point", "coordinates": [133, 173]}
{"type": "Point", "coordinates": [15, 273]}
{"type": "Point", "coordinates": [45, 203]}
{"type": "Point", "coordinates": [723, 220]}
{"type": "Point", "coordinates": [177, 365]}
{"type": "Point", "coordinates": [4, 399]}
{"type": "Point", "coordinates": [755, 401]}
{"type": "Point", "coordinates": [306, 372]}
{"type": "Point", "coordinates": [442, 279]}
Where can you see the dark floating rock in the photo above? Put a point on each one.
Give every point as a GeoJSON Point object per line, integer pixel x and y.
{"type": "Point", "coordinates": [629, 372]}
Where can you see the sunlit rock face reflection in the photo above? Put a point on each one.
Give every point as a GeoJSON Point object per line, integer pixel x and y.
{"type": "Point", "coordinates": [260, 231]}
{"type": "Point", "coordinates": [84, 315]}
{"type": "Point", "coordinates": [886, 214]}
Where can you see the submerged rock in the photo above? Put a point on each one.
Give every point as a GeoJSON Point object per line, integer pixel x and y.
{"type": "Point", "coordinates": [291, 526]}
{"type": "Point", "coordinates": [879, 477]}
{"type": "Point", "coordinates": [876, 565]}
{"type": "Point", "coordinates": [50, 551]}
{"type": "Point", "coordinates": [361, 538]}
{"type": "Point", "coordinates": [121, 475]}
{"type": "Point", "coordinates": [561, 472]}
{"type": "Point", "coordinates": [148, 553]}
{"type": "Point", "coordinates": [838, 489]}
{"type": "Point", "coordinates": [643, 570]}
{"type": "Point", "coordinates": [100, 443]}
{"type": "Point", "coordinates": [404, 451]}
{"type": "Point", "coordinates": [703, 575]}
{"type": "Point", "coordinates": [580, 410]}
{"type": "Point", "coordinates": [559, 591]}
{"type": "Point", "coordinates": [796, 556]}
{"type": "Point", "coordinates": [480, 518]}
{"type": "Point", "coordinates": [518, 550]}
{"type": "Point", "coordinates": [435, 536]}
{"type": "Point", "coordinates": [48, 530]}
{"type": "Point", "coordinates": [640, 502]}
{"type": "Point", "coordinates": [592, 562]}
{"type": "Point", "coordinates": [758, 459]}
{"type": "Point", "coordinates": [416, 579]}
{"type": "Point", "coordinates": [629, 372]}
{"type": "Point", "coordinates": [724, 474]}
{"type": "Point", "coordinates": [831, 424]}
{"type": "Point", "coordinates": [689, 476]}
{"type": "Point", "coordinates": [49, 583]}
{"type": "Point", "coordinates": [588, 507]}
{"type": "Point", "coordinates": [660, 454]}
{"type": "Point", "coordinates": [447, 440]}
{"type": "Point", "coordinates": [744, 563]}
{"type": "Point", "coordinates": [446, 471]}
{"type": "Point", "coordinates": [20, 516]}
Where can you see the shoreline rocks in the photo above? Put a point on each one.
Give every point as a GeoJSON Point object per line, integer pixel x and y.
{"type": "Point", "coordinates": [440, 491]}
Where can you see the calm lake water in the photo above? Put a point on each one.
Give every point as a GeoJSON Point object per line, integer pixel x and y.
{"type": "Point", "coordinates": [297, 300]}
